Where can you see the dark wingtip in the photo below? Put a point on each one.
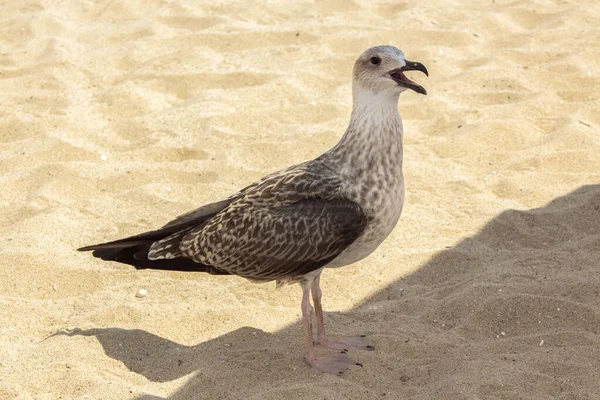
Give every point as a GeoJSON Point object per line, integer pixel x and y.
{"type": "Point", "coordinates": [86, 248]}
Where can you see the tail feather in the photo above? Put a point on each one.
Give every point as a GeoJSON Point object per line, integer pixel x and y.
{"type": "Point", "coordinates": [181, 223]}
{"type": "Point", "coordinates": [137, 256]}
{"type": "Point", "coordinates": [134, 250]}
{"type": "Point", "coordinates": [141, 239]}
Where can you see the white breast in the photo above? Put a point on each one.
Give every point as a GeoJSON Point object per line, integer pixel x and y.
{"type": "Point", "coordinates": [383, 217]}
{"type": "Point", "coordinates": [369, 162]}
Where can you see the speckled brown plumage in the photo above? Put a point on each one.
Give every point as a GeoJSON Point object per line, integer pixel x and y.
{"type": "Point", "coordinates": [328, 212]}
{"type": "Point", "coordinates": [288, 224]}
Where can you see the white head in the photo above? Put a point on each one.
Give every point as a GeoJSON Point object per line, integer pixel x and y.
{"type": "Point", "coordinates": [380, 70]}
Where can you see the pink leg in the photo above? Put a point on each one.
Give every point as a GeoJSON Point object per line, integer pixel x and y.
{"type": "Point", "coordinates": [339, 344]}
{"type": "Point", "coordinates": [333, 364]}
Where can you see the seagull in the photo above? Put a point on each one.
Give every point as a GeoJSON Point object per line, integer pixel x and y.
{"type": "Point", "coordinates": [287, 227]}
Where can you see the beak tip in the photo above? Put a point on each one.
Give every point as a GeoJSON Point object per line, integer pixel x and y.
{"type": "Point", "coordinates": [414, 66]}
{"type": "Point", "coordinates": [422, 68]}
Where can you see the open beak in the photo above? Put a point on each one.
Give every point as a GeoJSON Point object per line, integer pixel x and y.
{"type": "Point", "coordinates": [398, 76]}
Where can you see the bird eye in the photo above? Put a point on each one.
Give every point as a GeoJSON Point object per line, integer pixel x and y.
{"type": "Point", "coordinates": [375, 60]}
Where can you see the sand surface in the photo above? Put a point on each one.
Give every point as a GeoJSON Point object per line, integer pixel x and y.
{"type": "Point", "coordinates": [117, 115]}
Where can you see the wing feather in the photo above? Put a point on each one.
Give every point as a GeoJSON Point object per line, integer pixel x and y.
{"type": "Point", "coordinates": [284, 241]}
{"type": "Point", "coordinates": [286, 225]}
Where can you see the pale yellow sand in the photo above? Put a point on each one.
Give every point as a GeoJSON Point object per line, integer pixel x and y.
{"type": "Point", "coordinates": [116, 116]}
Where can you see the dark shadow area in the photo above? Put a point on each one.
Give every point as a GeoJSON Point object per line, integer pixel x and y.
{"type": "Point", "coordinates": [159, 359]}
{"type": "Point", "coordinates": [510, 313]}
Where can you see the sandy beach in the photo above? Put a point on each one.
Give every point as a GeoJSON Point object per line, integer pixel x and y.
{"type": "Point", "coordinates": [117, 116]}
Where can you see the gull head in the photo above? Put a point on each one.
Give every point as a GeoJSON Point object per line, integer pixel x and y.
{"type": "Point", "coordinates": [380, 70]}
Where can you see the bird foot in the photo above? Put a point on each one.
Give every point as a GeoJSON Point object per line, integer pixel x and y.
{"type": "Point", "coordinates": [335, 364]}
{"type": "Point", "coordinates": [346, 344]}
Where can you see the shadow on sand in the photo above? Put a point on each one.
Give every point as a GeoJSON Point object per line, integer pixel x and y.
{"type": "Point", "coordinates": [512, 312]}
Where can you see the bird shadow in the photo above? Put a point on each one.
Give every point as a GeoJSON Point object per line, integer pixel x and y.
{"type": "Point", "coordinates": [157, 358]}
{"type": "Point", "coordinates": [456, 311]}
